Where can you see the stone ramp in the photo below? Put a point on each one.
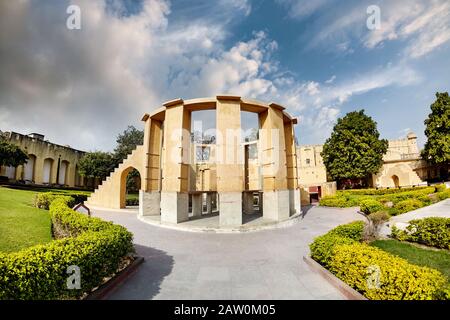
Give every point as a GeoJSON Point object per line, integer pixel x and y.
{"type": "Point", "coordinates": [111, 192]}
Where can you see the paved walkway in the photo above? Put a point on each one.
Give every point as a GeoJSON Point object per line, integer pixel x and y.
{"type": "Point", "coordinates": [255, 265]}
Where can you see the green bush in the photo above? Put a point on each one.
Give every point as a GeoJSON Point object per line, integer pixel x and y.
{"type": "Point", "coordinates": [444, 194]}
{"type": "Point", "coordinates": [358, 265]}
{"type": "Point", "coordinates": [408, 205]}
{"type": "Point", "coordinates": [322, 247]}
{"type": "Point", "coordinates": [370, 205]}
{"type": "Point", "coordinates": [43, 200]}
{"type": "Point", "coordinates": [440, 187]}
{"type": "Point", "coordinates": [97, 247]}
{"type": "Point", "coordinates": [353, 230]}
{"type": "Point", "coordinates": [378, 192]}
{"type": "Point", "coordinates": [433, 231]}
{"type": "Point", "coordinates": [333, 201]}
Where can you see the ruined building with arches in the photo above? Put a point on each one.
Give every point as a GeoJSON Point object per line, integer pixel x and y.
{"type": "Point", "coordinates": [184, 179]}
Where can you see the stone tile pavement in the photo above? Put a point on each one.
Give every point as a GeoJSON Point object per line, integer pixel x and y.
{"type": "Point", "coordinates": [254, 265]}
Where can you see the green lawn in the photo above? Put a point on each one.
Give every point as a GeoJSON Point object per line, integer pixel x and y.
{"type": "Point", "coordinates": [22, 225]}
{"type": "Point", "coordinates": [433, 258]}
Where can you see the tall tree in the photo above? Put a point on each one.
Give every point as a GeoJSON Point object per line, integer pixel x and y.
{"type": "Point", "coordinates": [127, 142]}
{"type": "Point", "coordinates": [10, 154]}
{"type": "Point", "coordinates": [437, 147]}
{"type": "Point", "coordinates": [354, 149]}
{"type": "Point", "coordinates": [96, 165]}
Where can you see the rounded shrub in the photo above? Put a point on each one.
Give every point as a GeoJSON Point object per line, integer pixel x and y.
{"type": "Point", "coordinates": [353, 230]}
{"type": "Point", "coordinates": [379, 275]}
{"type": "Point", "coordinates": [333, 201]}
{"type": "Point", "coordinates": [432, 231]}
{"type": "Point", "coordinates": [408, 205]}
{"type": "Point", "coordinates": [322, 247]}
{"type": "Point", "coordinates": [369, 206]}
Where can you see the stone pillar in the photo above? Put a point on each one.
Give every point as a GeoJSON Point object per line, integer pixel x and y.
{"type": "Point", "coordinates": [150, 195]}
{"type": "Point", "coordinates": [149, 203]}
{"type": "Point", "coordinates": [39, 170]}
{"type": "Point", "coordinates": [291, 166]}
{"type": "Point", "coordinates": [197, 205]}
{"type": "Point", "coordinates": [273, 162]}
{"type": "Point", "coordinates": [230, 169]}
{"type": "Point", "coordinates": [174, 192]}
{"type": "Point", "coordinates": [209, 209]}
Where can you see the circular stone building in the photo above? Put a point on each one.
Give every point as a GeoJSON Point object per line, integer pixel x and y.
{"type": "Point", "coordinates": [183, 179]}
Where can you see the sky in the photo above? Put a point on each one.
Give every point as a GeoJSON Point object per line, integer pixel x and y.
{"type": "Point", "coordinates": [319, 59]}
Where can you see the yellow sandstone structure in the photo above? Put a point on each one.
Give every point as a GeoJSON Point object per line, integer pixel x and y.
{"type": "Point", "coordinates": [48, 163]}
{"type": "Point", "coordinates": [233, 176]}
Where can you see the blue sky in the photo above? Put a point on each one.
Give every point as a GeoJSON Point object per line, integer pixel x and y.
{"type": "Point", "coordinates": [317, 58]}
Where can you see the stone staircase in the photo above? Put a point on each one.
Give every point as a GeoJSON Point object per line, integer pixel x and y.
{"type": "Point", "coordinates": [111, 192]}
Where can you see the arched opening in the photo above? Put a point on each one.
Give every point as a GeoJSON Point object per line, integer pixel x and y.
{"type": "Point", "coordinates": [10, 172]}
{"type": "Point", "coordinates": [130, 184]}
{"type": "Point", "coordinates": [47, 171]}
{"type": "Point", "coordinates": [28, 168]}
{"type": "Point", "coordinates": [63, 169]}
{"type": "Point", "coordinates": [396, 181]}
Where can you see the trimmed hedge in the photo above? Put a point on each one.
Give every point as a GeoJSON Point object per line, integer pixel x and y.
{"type": "Point", "coordinates": [370, 206]}
{"type": "Point", "coordinates": [378, 192]}
{"type": "Point", "coordinates": [97, 247]}
{"type": "Point", "coordinates": [321, 248]}
{"type": "Point", "coordinates": [433, 231]}
{"type": "Point", "coordinates": [353, 230]}
{"type": "Point", "coordinates": [43, 200]}
{"type": "Point", "coordinates": [398, 279]}
{"type": "Point", "coordinates": [408, 205]}
{"type": "Point", "coordinates": [341, 252]}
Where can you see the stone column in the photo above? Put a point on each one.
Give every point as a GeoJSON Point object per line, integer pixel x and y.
{"type": "Point", "coordinates": [197, 205]}
{"type": "Point", "coordinates": [149, 195]}
{"type": "Point", "coordinates": [174, 192]}
{"type": "Point", "coordinates": [273, 162]}
{"type": "Point", "coordinates": [230, 169]}
{"type": "Point", "coordinates": [39, 170]}
{"type": "Point", "coordinates": [209, 203]}
{"type": "Point", "coordinates": [291, 166]}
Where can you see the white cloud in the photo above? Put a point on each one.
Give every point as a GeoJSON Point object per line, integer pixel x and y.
{"type": "Point", "coordinates": [90, 84]}
{"type": "Point", "coordinates": [424, 23]}
{"type": "Point", "coordinates": [331, 80]}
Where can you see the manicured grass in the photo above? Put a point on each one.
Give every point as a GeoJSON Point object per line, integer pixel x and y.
{"type": "Point", "coordinates": [132, 196]}
{"type": "Point", "coordinates": [433, 258]}
{"type": "Point", "coordinates": [22, 225]}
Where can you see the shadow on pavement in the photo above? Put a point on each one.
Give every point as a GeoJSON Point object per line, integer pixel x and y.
{"type": "Point", "coordinates": [305, 210]}
{"type": "Point", "coordinates": [145, 283]}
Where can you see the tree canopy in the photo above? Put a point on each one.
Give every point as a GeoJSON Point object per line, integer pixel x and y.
{"type": "Point", "coordinates": [127, 142]}
{"type": "Point", "coordinates": [437, 147]}
{"type": "Point", "coordinates": [99, 164]}
{"type": "Point", "coordinates": [354, 149]}
{"type": "Point", "coordinates": [96, 164]}
{"type": "Point", "coordinates": [10, 154]}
